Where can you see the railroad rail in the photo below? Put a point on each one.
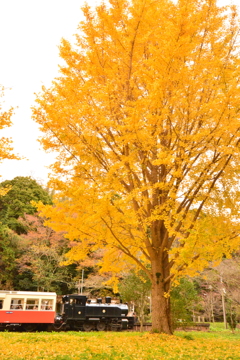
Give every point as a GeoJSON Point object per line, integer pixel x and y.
{"type": "Point", "coordinates": [183, 327]}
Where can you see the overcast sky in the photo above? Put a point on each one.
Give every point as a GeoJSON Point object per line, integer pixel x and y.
{"type": "Point", "coordinates": [30, 33]}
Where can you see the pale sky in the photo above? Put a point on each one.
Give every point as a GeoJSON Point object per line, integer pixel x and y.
{"type": "Point", "coordinates": [30, 33]}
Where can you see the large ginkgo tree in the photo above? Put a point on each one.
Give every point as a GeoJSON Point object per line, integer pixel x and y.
{"type": "Point", "coordinates": [145, 118]}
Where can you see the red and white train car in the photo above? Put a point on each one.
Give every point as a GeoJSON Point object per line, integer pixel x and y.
{"type": "Point", "coordinates": [27, 310]}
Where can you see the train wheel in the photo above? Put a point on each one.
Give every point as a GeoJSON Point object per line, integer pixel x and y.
{"type": "Point", "coordinates": [115, 325]}
{"type": "Point", "coordinates": [101, 326]}
{"type": "Point", "coordinates": [30, 327]}
{"type": "Point", "coordinates": [87, 326]}
{"type": "Point", "coordinates": [78, 325]}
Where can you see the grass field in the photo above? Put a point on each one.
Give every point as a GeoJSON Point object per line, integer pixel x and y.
{"type": "Point", "coordinates": [217, 344]}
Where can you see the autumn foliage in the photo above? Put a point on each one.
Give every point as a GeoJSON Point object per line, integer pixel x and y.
{"type": "Point", "coordinates": [117, 346]}
{"type": "Point", "coordinates": [41, 252]}
{"type": "Point", "coordinates": [145, 118]}
{"type": "Point", "coordinates": [5, 121]}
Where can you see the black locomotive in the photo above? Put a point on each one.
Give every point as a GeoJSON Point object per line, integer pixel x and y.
{"type": "Point", "coordinates": [80, 313]}
{"type": "Point", "coordinates": [36, 311]}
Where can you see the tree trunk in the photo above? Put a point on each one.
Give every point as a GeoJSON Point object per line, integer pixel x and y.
{"type": "Point", "coordinates": [141, 322]}
{"type": "Point", "coordinates": [161, 319]}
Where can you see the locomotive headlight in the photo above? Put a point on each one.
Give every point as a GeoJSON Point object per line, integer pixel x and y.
{"type": "Point", "coordinates": [58, 318]}
{"type": "Point", "coordinates": [104, 311]}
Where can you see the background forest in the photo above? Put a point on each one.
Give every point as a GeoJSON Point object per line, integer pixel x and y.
{"type": "Point", "coordinates": [30, 252]}
{"type": "Point", "coordinates": [32, 258]}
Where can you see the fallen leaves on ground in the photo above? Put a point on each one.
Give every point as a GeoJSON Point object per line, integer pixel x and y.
{"type": "Point", "coordinates": [116, 346]}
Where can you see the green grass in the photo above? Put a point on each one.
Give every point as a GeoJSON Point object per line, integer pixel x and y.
{"type": "Point", "coordinates": [219, 326]}
{"type": "Point", "coordinates": [216, 331]}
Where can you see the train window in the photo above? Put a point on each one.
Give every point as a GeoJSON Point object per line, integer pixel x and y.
{"type": "Point", "coordinates": [65, 299]}
{"type": "Point", "coordinates": [1, 303]}
{"type": "Point", "coordinates": [17, 304]}
{"type": "Point", "coordinates": [32, 304]}
{"type": "Point", "coordinates": [47, 304]}
{"type": "Point", "coordinates": [77, 301]}
{"type": "Point", "coordinates": [80, 302]}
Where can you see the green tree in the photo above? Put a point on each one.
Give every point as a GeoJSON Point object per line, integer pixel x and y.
{"type": "Point", "coordinates": [17, 202]}
{"type": "Point", "coordinates": [8, 254]}
{"type": "Point", "coordinates": [14, 205]}
{"type": "Point", "coordinates": [184, 299]}
{"type": "Point", "coordinates": [231, 315]}
{"type": "Point", "coordinates": [136, 288]}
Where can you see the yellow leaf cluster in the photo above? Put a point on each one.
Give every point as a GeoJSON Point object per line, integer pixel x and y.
{"type": "Point", "coordinates": [5, 121]}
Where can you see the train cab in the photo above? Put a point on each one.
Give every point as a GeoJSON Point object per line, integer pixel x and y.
{"type": "Point", "coordinates": [74, 306]}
